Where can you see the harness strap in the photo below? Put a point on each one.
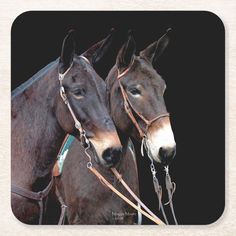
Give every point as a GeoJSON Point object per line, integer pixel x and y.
{"type": "Point", "coordinates": [30, 194]}
{"type": "Point", "coordinates": [63, 207]}
{"type": "Point", "coordinates": [38, 196]}
{"type": "Point", "coordinates": [40, 202]}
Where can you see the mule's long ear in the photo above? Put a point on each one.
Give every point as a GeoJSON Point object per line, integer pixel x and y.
{"type": "Point", "coordinates": [67, 52]}
{"type": "Point", "coordinates": [154, 50]}
{"type": "Point", "coordinates": [126, 53]}
{"type": "Point", "coordinates": [98, 50]}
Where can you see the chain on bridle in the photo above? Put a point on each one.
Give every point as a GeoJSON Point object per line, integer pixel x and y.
{"type": "Point", "coordinates": [130, 110]}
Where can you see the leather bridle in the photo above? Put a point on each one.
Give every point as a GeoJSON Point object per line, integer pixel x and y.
{"type": "Point", "coordinates": [130, 110]}
{"type": "Point", "coordinates": [83, 138]}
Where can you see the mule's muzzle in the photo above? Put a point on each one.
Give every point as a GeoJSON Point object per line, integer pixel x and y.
{"type": "Point", "coordinates": [112, 156]}
{"type": "Point", "coordinates": [167, 154]}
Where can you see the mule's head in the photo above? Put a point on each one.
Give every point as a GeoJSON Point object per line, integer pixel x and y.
{"type": "Point", "coordinates": [85, 91]}
{"type": "Point", "coordinates": [145, 91]}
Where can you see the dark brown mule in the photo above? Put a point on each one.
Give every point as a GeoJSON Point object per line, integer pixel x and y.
{"type": "Point", "coordinates": [89, 202]}
{"type": "Point", "coordinates": [40, 120]}
{"type": "Point", "coordinates": [135, 83]}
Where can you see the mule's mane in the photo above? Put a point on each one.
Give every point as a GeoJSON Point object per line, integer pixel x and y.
{"type": "Point", "coordinates": [20, 89]}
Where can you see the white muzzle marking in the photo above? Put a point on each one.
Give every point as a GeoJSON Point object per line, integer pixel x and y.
{"type": "Point", "coordinates": [105, 141]}
{"type": "Point", "coordinates": [162, 137]}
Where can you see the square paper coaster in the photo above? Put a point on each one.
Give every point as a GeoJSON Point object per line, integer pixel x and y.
{"type": "Point", "coordinates": [192, 67]}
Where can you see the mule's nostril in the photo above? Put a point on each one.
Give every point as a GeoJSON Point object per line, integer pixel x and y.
{"type": "Point", "coordinates": [167, 154]}
{"type": "Point", "coordinates": [161, 151]}
{"type": "Point", "coordinates": [112, 155]}
{"type": "Point", "coordinates": [107, 155]}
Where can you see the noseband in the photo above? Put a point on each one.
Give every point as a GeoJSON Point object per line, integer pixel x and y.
{"type": "Point", "coordinates": [129, 108]}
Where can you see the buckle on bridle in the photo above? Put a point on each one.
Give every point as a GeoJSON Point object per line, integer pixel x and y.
{"type": "Point", "coordinates": [78, 126]}
{"type": "Point", "coordinates": [63, 95]}
{"type": "Point", "coordinates": [84, 140]}
{"type": "Point", "coordinates": [127, 107]}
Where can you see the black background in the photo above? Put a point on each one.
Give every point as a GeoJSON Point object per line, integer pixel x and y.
{"type": "Point", "coordinates": [193, 67]}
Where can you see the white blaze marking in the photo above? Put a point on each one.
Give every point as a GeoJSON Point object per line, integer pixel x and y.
{"type": "Point", "coordinates": [162, 137]}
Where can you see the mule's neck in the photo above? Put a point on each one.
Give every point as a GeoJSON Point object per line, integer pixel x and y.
{"type": "Point", "coordinates": [36, 134]}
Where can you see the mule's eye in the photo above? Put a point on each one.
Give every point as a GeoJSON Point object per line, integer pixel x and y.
{"type": "Point", "coordinates": [134, 91]}
{"type": "Point", "coordinates": [79, 92]}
